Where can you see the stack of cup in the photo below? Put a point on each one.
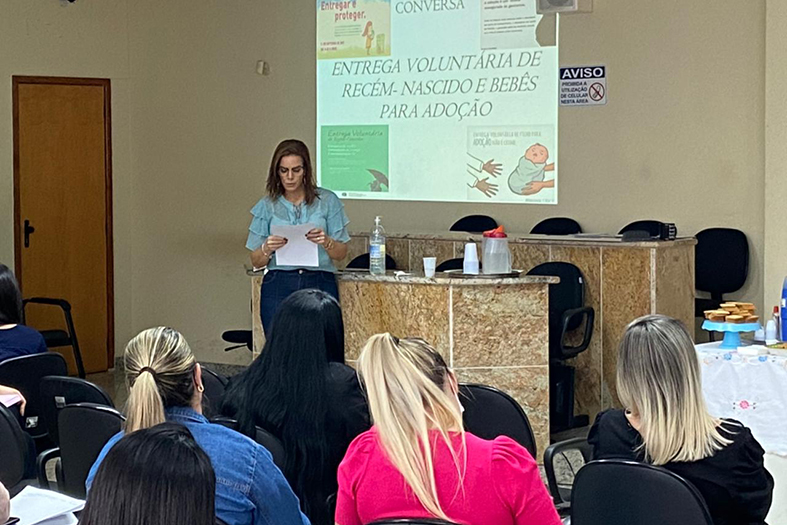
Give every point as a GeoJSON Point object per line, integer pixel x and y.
{"type": "Point", "coordinates": [470, 265]}
{"type": "Point", "coordinates": [430, 263]}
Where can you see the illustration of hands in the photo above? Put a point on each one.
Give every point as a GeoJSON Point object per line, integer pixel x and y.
{"type": "Point", "coordinates": [493, 168]}
{"type": "Point", "coordinates": [485, 187]}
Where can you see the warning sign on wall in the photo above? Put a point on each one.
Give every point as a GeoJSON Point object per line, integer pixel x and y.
{"type": "Point", "coordinates": [583, 86]}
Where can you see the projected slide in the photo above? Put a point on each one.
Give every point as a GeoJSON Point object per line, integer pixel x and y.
{"type": "Point", "coordinates": [437, 100]}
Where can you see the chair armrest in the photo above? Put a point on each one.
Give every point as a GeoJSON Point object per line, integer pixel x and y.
{"type": "Point", "coordinates": [41, 461]}
{"type": "Point", "coordinates": [62, 303]}
{"type": "Point", "coordinates": [568, 316]}
{"type": "Point", "coordinates": [579, 444]}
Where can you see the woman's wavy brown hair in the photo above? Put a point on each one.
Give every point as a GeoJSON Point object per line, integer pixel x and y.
{"type": "Point", "coordinates": [285, 148]}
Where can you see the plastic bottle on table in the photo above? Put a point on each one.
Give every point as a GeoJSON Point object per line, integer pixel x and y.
{"type": "Point", "coordinates": [783, 313]}
{"type": "Point", "coordinates": [377, 248]}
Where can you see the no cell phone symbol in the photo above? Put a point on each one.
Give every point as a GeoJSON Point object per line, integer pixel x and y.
{"type": "Point", "coordinates": [596, 91]}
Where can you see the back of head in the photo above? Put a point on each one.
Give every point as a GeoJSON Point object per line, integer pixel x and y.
{"type": "Point", "coordinates": [658, 379]}
{"type": "Point", "coordinates": [285, 389]}
{"type": "Point", "coordinates": [10, 297]}
{"type": "Point", "coordinates": [406, 383]}
{"type": "Point", "coordinates": [155, 476]}
{"type": "Point", "coordinates": [159, 373]}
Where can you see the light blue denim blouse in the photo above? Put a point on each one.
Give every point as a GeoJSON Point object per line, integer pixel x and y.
{"type": "Point", "coordinates": [250, 489]}
{"type": "Point", "coordinates": [326, 212]}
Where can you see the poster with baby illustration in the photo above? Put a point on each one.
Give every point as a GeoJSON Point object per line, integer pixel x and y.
{"type": "Point", "coordinates": [353, 28]}
{"type": "Point", "coordinates": [512, 164]}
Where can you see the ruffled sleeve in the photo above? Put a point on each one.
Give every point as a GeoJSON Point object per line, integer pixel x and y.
{"type": "Point", "coordinates": [351, 471]}
{"type": "Point", "coordinates": [518, 484]}
{"type": "Point", "coordinates": [335, 218]}
{"type": "Point", "coordinates": [259, 229]}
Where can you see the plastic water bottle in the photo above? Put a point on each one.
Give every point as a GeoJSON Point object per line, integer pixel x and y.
{"type": "Point", "coordinates": [783, 312]}
{"type": "Point", "coordinates": [377, 248]}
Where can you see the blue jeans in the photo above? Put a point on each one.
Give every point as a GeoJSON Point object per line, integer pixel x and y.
{"type": "Point", "coordinates": [277, 285]}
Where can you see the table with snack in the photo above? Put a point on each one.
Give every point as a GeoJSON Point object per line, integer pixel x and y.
{"type": "Point", "coordinates": [749, 383]}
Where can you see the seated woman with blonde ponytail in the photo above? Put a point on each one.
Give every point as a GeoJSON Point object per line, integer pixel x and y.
{"type": "Point", "coordinates": [418, 462]}
{"type": "Point", "coordinates": [165, 384]}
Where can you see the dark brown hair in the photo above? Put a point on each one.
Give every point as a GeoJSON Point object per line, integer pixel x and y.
{"type": "Point", "coordinates": [291, 147]}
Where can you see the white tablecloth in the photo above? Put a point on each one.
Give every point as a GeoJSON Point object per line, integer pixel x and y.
{"type": "Point", "coordinates": [753, 390]}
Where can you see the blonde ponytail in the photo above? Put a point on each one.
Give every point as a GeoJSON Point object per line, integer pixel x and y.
{"type": "Point", "coordinates": [406, 387]}
{"type": "Point", "coordinates": [159, 373]}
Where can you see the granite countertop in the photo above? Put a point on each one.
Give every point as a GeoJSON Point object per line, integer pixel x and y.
{"type": "Point", "coordinates": [443, 280]}
{"type": "Point", "coordinates": [600, 239]}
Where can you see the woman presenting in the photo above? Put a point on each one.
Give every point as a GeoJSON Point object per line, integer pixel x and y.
{"type": "Point", "coordinates": [293, 198]}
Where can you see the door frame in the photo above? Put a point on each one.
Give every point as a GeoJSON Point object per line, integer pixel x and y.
{"type": "Point", "coordinates": [71, 81]}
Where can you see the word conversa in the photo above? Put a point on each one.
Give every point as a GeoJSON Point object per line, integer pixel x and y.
{"type": "Point", "coordinates": [408, 7]}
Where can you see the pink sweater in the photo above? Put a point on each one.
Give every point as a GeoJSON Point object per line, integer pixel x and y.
{"type": "Point", "coordinates": [501, 486]}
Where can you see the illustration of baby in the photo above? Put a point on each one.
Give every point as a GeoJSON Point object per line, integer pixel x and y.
{"type": "Point", "coordinates": [528, 177]}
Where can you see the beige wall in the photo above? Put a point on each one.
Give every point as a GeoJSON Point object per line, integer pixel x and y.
{"type": "Point", "coordinates": [776, 152]}
{"type": "Point", "coordinates": [682, 138]}
{"type": "Point", "coordinates": [86, 39]}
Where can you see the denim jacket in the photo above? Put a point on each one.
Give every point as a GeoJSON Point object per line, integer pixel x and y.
{"type": "Point", "coordinates": [250, 489]}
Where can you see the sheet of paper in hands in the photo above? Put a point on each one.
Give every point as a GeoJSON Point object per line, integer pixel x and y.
{"type": "Point", "coordinates": [299, 251]}
{"type": "Point", "coordinates": [9, 400]}
{"type": "Point", "coordinates": [35, 506]}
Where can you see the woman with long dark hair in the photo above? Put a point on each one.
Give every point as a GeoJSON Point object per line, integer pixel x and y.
{"type": "Point", "coordinates": [293, 198]}
{"type": "Point", "coordinates": [155, 476]}
{"type": "Point", "coordinates": [299, 390]}
{"type": "Point", "coordinates": [16, 339]}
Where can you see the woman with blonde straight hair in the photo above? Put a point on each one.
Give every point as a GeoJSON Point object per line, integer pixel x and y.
{"type": "Point", "coordinates": [165, 384]}
{"type": "Point", "coordinates": [666, 423]}
{"type": "Point", "coordinates": [418, 462]}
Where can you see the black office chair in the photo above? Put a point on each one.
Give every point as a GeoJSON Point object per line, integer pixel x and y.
{"type": "Point", "coordinates": [58, 391]}
{"type": "Point", "coordinates": [213, 396]}
{"type": "Point", "coordinates": [83, 429]}
{"type": "Point", "coordinates": [474, 224]}
{"type": "Point", "coordinates": [25, 373]}
{"type": "Point", "coordinates": [452, 264]}
{"type": "Point", "coordinates": [263, 437]}
{"type": "Point", "coordinates": [567, 311]}
{"type": "Point", "coordinates": [566, 452]}
{"type": "Point", "coordinates": [490, 413]}
{"type": "Point", "coordinates": [362, 263]}
{"type": "Point", "coordinates": [557, 226]}
{"type": "Point", "coordinates": [721, 265]}
{"type": "Point", "coordinates": [239, 339]}
{"type": "Point", "coordinates": [653, 228]}
{"type": "Point", "coordinates": [60, 338]}
{"type": "Point", "coordinates": [15, 453]}
{"type": "Point", "coordinates": [412, 521]}
{"type": "Point", "coordinates": [617, 492]}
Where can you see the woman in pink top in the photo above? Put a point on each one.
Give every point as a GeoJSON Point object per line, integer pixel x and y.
{"type": "Point", "coordinates": [418, 462]}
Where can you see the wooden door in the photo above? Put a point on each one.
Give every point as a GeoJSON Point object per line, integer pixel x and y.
{"type": "Point", "coordinates": [63, 207]}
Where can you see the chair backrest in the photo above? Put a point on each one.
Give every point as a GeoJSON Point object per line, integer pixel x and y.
{"type": "Point", "coordinates": [568, 294]}
{"type": "Point", "coordinates": [361, 262]}
{"type": "Point", "coordinates": [13, 449]}
{"type": "Point", "coordinates": [490, 413]}
{"type": "Point", "coordinates": [25, 373]}
{"type": "Point", "coordinates": [215, 387]}
{"type": "Point", "coordinates": [652, 227]}
{"type": "Point", "coordinates": [557, 226]}
{"type": "Point", "coordinates": [84, 429]}
{"type": "Point", "coordinates": [58, 391]}
{"type": "Point", "coordinates": [451, 264]}
{"type": "Point", "coordinates": [263, 437]}
{"type": "Point", "coordinates": [617, 492]}
{"type": "Point", "coordinates": [474, 224]}
{"type": "Point", "coordinates": [721, 261]}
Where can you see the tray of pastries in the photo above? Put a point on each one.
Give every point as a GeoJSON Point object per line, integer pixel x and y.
{"type": "Point", "coordinates": [733, 313]}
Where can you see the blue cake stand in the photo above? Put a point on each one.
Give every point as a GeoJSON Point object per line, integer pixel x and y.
{"type": "Point", "coordinates": [732, 332]}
